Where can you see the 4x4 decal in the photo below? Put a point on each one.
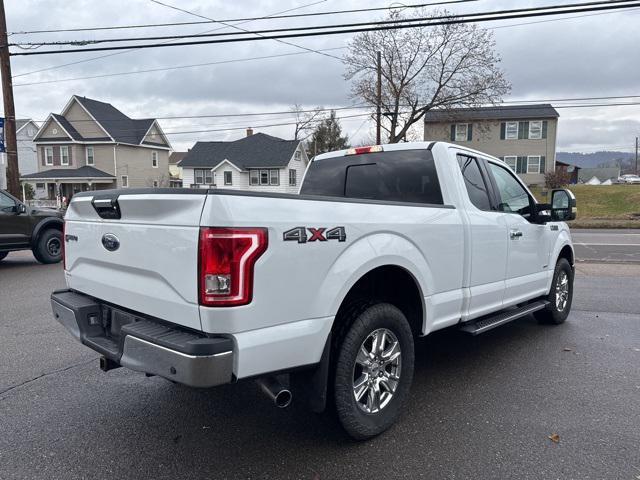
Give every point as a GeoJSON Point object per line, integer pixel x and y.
{"type": "Point", "coordinates": [321, 234]}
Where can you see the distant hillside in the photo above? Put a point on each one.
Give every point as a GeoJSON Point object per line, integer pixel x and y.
{"type": "Point", "coordinates": [598, 159]}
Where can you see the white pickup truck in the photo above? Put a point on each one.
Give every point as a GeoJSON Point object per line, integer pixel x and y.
{"type": "Point", "coordinates": [319, 294]}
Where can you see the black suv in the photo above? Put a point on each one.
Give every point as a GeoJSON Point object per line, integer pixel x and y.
{"type": "Point", "coordinates": [24, 228]}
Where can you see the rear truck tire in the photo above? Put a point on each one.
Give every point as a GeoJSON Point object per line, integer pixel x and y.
{"type": "Point", "coordinates": [373, 370]}
{"type": "Point", "coordinates": [560, 296]}
{"type": "Point", "coordinates": [3, 255]}
{"type": "Point", "coordinates": [48, 248]}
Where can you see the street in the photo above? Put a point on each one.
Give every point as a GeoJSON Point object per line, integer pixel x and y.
{"type": "Point", "coordinates": [481, 407]}
{"type": "Point", "coordinates": [607, 245]}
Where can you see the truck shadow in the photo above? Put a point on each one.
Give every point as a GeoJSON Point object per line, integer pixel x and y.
{"type": "Point", "coordinates": [235, 431]}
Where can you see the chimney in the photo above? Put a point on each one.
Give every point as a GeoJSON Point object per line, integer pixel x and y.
{"type": "Point", "coordinates": [249, 131]}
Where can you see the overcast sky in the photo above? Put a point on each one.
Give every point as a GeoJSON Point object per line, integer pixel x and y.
{"type": "Point", "coordinates": [588, 56]}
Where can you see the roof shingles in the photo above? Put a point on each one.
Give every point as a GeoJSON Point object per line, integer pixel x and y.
{"type": "Point", "coordinates": [501, 112]}
{"type": "Point", "coordinates": [255, 151]}
{"type": "Point", "coordinates": [82, 172]}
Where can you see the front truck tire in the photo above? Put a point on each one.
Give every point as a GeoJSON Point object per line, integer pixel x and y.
{"type": "Point", "coordinates": [374, 368]}
{"type": "Point", "coordinates": [48, 248]}
{"type": "Point", "coordinates": [560, 296]}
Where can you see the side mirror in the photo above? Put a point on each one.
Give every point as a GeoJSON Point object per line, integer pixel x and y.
{"type": "Point", "coordinates": [21, 208]}
{"type": "Point", "coordinates": [563, 206]}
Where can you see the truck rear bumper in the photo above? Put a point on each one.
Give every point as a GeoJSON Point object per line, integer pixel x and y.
{"type": "Point", "coordinates": [144, 344]}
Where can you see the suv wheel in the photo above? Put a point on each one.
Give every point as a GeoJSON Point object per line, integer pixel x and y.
{"type": "Point", "coordinates": [374, 370]}
{"type": "Point", "coordinates": [560, 296]}
{"type": "Point", "coordinates": [48, 249]}
{"type": "Point", "coordinates": [3, 255]}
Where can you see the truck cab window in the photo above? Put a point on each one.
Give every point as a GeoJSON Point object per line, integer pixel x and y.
{"type": "Point", "coordinates": [7, 204]}
{"type": "Point", "coordinates": [513, 196]}
{"type": "Point", "coordinates": [473, 180]}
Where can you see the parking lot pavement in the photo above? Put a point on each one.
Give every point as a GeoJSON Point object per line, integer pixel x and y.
{"type": "Point", "coordinates": [607, 245]}
{"type": "Point", "coordinates": [480, 407]}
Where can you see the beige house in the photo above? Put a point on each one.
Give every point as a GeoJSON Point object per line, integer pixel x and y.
{"type": "Point", "coordinates": [91, 145]}
{"type": "Point", "coordinates": [524, 136]}
{"type": "Point", "coordinates": [175, 170]}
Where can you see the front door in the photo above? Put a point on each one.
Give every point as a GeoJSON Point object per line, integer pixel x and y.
{"type": "Point", "coordinates": [528, 259]}
{"type": "Point", "coordinates": [15, 227]}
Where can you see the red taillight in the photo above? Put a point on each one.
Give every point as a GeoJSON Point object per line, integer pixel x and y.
{"type": "Point", "coordinates": [227, 257]}
{"type": "Point", "coordinates": [64, 251]}
{"type": "Point", "coordinates": [361, 150]}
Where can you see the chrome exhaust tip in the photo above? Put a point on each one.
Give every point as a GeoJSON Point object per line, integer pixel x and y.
{"type": "Point", "coordinates": [273, 389]}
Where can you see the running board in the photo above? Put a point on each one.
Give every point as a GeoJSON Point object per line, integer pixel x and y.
{"type": "Point", "coordinates": [481, 325]}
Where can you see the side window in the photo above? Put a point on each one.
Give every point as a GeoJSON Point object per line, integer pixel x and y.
{"type": "Point", "coordinates": [513, 197]}
{"type": "Point", "coordinates": [7, 204]}
{"type": "Point", "coordinates": [473, 180]}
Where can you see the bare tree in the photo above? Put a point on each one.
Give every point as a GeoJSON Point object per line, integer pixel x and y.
{"type": "Point", "coordinates": [438, 67]}
{"type": "Point", "coordinates": [306, 121]}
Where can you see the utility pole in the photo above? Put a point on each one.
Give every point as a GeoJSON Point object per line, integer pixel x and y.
{"type": "Point", "coordinates": [11, 146]}
{"type": "Point", "coordinates": [636, 155]}
{"type": "Point", "coordinates": [378, 99]}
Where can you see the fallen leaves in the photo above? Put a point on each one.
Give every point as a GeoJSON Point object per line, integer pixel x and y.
{"type": "Point", "coordinates": [554, 437]}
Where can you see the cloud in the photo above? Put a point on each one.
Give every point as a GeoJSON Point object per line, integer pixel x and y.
{"type": "Point", "coordinates": [568, 58]}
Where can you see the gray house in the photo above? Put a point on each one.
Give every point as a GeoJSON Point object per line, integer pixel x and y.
{"type": "Point", "coordinates": [257, 162]}
{"type": "Point", "coordinates": [26, 130]}
{"type": "Point", "coordinates": [92, 145]}
{"type": "Point", "coordinates": [524, 136]}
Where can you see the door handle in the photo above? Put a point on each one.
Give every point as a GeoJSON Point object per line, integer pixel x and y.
{"type": "Point", "coordinates": [515, 234]}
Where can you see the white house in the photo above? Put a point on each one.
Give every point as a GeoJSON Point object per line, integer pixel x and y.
{"type": "Point", "coordinates": [26, 129]}
{"type": "Point", "coordinates": [257, 162]}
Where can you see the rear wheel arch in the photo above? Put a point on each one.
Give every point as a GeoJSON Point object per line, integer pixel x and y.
{"type": "Point", "coordinates": [391, 284]}
{"type": "Point", "coordinates": [51, 223]}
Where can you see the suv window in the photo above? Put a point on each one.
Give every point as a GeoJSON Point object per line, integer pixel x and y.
{"type": "Point", "coordinates": [474, 181]}
{"type": "Point", "coordinates": [7, 204]}
{"type": "Point", "coordinates": [513, 197]}
{"type": "Point", "coordinates": [399, 176]}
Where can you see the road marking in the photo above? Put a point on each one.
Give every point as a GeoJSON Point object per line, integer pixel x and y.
{"type": "Point", "coordinates": [587, 245]}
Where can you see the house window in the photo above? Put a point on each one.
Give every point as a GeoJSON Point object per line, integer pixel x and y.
{"type": "Point", "coordinates": [154, 159]}
{"type": "Point", "coordinates": [535, 130]}
{"type": "Point", "coordinates": [512, 131]}
{"type": "Point", "coordinates": [298, 155]}
{"type": "Point", "coordinates": [512, 161]}
{"type": "Point", "coordinates": [90, 158]}
{"type": "Point", "coordinates": [228, 178]}
{"type": "Point", "coordinates": [155, 184]}
{"type": "Point", "coordinates": [64, 155]}
{"type": "Point", "coordinates": [39, 186]}
{"type": "Point", "coordinates": [48, 153]}
{"type": "Point", "coordinates": [203, 176]}
{"type": "Point", "coordinates": [264, 177]}
{"type": "Point", "coordinates": [533, 164]}
{"type": "Point", "coordinates": [125, 181]}
{"type": "Point", "coordinates": [292, 177]}
{"type": "Point", "coordinates": [461, 132]}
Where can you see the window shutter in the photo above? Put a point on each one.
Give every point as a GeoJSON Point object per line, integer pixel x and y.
{"type": "Point", "coordinates": [544, 129]}
{"type": "Point", "coordinates": [453, 133]}
{"type": "Point", "coordinates": [69, 150]}
{"type": "Point", "coordinates": [503, 129]}
{"type": "Point", "coordinates": [44, 156]}
{"type": "Point", "coordinates": [542, 164]}
{"type": "Point", "coordinates": [521, 165]}
{"type": "Point", "coordinates": [56, 156]}
{"type": "Point", "coordinates": [469, 132]}
{"type": "Point", "coordinates": [523, 130]}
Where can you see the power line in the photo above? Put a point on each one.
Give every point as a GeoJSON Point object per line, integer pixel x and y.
{"type": "Point", "coordinates": [178, 67]}
{"type": "Point", "coordinates": [302, 28]}
{"type": "Point", "coordinates": [98, 57]}
{"type": "Point", "coordinates": [398, 6]}
{"type": "Point", "coordinates": [488, 16]}
{"type": "Point", "coordinates": [244, 29]}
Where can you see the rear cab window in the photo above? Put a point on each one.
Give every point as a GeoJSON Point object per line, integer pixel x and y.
{"type": "Point", "coordinates": [397, 176]}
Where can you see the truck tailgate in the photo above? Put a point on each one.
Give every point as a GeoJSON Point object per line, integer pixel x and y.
{"type": "Point", "coordinates": [146, 260]}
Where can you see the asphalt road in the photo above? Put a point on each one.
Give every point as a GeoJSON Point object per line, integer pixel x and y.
{"type": "Point", "coordinates": [481, 407]}
{"type": "Point", "coordinates": [607, 245]}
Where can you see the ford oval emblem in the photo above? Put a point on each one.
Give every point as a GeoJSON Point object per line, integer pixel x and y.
{"type": "Point", "coordinates": [110, 242]}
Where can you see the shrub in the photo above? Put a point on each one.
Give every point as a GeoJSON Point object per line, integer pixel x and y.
{"type": "Point", "coordinates": [556, 179]}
